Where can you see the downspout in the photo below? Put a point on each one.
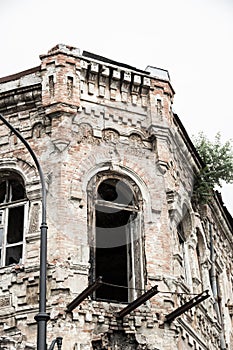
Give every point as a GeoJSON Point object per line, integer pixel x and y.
{"type": "Point", "coordinates": [213, 281]}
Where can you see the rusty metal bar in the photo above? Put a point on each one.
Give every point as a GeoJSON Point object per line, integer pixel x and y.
{"type": "Point", "coordinates": [90, 289]}
{"type": "Point", "coordinates": [191, 303]}
{"type": "Point", "coordinates": [140, 300]}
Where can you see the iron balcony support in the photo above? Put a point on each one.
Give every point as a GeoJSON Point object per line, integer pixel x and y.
{"type": "Point", "coordinates": [191, 303]}
{"type": "Point", "coordinates": [93, 287]}
{"type": "Point", "coordinates": [140, 300]}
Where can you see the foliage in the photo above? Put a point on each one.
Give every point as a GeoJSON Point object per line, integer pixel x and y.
{"type": "Point", "coordinates": [218, 159]}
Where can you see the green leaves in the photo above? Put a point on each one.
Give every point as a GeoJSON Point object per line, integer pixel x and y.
{"type": "Point", "coordinates": [218, 158]}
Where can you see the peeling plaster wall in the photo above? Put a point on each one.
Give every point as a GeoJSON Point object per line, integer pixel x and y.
{"type": "Point", "coordinates": [83, 116]}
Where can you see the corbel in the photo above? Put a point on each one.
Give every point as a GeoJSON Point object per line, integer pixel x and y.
{"type": "Point", "coordinates": [104, 75]}
{"type": "Point", "coordinates": [125, 86]}
{"type": "Point", "coordinates": [145, 90]}
{"type": "Point", "coordinates": [135, 88]}
{"type": "Point", "coordinates": [92, 77]}
{"type": "Point", "coordinates": [114, 85]}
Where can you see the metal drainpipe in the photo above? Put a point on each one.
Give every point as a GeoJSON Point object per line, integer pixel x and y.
{"type": "Point", "coordinates": [213, 281]}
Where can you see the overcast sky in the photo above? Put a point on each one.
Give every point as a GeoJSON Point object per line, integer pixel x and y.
{"type": "Point", "coordinates": [193, 39]}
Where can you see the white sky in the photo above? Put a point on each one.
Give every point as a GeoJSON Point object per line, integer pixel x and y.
{"type": "Point", "coordinates": [193, 39]}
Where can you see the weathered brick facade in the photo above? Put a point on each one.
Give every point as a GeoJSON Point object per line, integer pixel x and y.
{"type": "Point", "coordinates": [89, 119]}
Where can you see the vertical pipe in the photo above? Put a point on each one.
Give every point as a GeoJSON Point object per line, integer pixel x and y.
{"type": "Point", "coordinates": [213, 281]}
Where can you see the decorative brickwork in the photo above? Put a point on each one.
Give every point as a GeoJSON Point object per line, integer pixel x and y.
{"type": "Point", "coordinates": [88, 118]}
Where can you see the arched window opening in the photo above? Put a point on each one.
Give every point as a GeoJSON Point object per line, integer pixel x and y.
{"type": "Point", "coordinates": [200, 252]}
{"type": "Point", "coordinates": [12, 217]}
{"type": "Point", "coordinates": [183, 232]}
{"type": "Point", "coordinates": [182, 249]}
{"type": "Point", "coordinates": [117, 250]}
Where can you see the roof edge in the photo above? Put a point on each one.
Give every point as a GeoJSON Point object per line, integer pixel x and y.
{"type": "Point", "coordinates": [188, 140]}
{"type": "Point", "coordinates": [19, 75]}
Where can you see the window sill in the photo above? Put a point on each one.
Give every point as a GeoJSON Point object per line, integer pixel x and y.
{"type": "Point", "coordinates": [11, 269]}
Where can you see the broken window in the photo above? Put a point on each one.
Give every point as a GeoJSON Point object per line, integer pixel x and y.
{"type": "Point", "coordinates": [116, 252]}
{"type": "Point", "coordinates": [183, 231]}
{"type": "Point", "coordinates": [12, 218]}
{"type": "Point", "coordinates": [181, 239]}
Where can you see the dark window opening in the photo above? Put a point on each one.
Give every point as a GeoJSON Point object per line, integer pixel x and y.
{"type": "Point", "coordinates": [12, 204]}
{"type": "Point", "coordinates": [180, 231]}
{"type": "Point", "coordinates": [117, 244]}
{"type": "Point", "coordinates": [13, 255]}
{"type": "Point", "coordinates": [181, 240]}
{"type": "Point", "coordinates": [12, 189]}
{"type": "Point", "coordinates": [114, 190]}
{"type": "Point", "coordinates": [3, 192]}
{"type": "Point", "coordinates": [1, 236]}
{"type": "Point", "coordinates": [15, 225]}
{"type": "Point", "coordinates": [111, 252]}
{"type": "Point", "coordinates": [18, 191]}
{"type": "Point", "coordinates": [1, 217]}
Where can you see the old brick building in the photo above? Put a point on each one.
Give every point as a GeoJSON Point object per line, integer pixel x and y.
{"type": "Point", "coordinates": [119, 170]}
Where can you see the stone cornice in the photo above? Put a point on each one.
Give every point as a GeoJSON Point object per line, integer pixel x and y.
{"type": "Point", "coordinates": [20, 96]}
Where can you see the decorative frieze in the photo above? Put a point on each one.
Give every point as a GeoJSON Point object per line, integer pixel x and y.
{"type": "Point", "coordinates": [129, 119]}
{"type": "Point", "coordinates": [114, 83]}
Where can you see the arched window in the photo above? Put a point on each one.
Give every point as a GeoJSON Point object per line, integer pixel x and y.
{"type": "Point", "coordinates": [116, 238]}
{"type": "Point", "coordinates": [199, 253]}
{"type": "Point", "coordinates": [12, 218]}
{"type": "Point", "coordinates": [182, 249]}
{"type": "Point", "coordinates": [183, 231]}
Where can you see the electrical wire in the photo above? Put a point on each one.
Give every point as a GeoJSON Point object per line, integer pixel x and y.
{"type": "Point", "coordinates": [144, 290]}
